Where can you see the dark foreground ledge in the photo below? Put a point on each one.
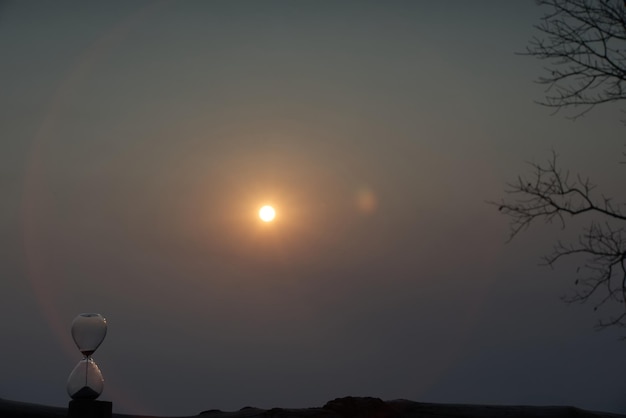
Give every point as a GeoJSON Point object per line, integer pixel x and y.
{"type": "Point", "coordinates": [348, 407]}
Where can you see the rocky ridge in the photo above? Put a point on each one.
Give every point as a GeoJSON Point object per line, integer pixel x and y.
{"type": "Point", "coordinates": [346, 407]}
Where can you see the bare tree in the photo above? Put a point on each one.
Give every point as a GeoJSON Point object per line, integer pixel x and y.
{"type": "Point", "coordinates": [584, 44]}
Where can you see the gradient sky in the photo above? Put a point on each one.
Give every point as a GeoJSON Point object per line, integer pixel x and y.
{"type": "Point", "coordinates": [138, 140]}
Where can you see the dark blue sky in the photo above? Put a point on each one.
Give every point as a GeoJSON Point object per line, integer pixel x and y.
{"type": "Point", "coordinates": [138, 140]}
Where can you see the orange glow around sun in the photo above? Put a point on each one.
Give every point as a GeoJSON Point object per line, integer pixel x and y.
{"type": "Point", "coordinates": [267, 213]}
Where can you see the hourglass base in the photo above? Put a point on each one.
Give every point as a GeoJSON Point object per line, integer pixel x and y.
{"type": "Point", "coordinates": [82, 408]}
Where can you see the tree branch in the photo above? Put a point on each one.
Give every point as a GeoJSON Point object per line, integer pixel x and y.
{"type": "Point", "coordinates": [583, 40]}
{"type": "Point", "coordinates": [550, 194]}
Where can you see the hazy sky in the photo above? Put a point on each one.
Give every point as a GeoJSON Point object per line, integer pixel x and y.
{"type": "Point", "coordinates": [138, 140]}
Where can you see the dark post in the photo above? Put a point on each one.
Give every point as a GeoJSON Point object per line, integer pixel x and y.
{"type": "Point", "coordinates": [89, 408]}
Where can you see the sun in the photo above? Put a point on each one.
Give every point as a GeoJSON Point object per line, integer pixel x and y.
{"type": "Point", "coordinates": [267, 213]}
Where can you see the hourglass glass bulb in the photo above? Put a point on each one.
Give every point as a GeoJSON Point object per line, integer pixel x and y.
{"type": "Point", "coordinates": [88, 332]}
{"type": "Point", "coordinates": [85, 381]}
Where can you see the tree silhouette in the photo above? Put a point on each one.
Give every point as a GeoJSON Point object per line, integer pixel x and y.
{"type": "Point", "coordinates": [584, 45]}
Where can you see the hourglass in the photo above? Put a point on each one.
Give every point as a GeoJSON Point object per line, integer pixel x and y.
{"type": "Point", "coordinates": [88, 332]}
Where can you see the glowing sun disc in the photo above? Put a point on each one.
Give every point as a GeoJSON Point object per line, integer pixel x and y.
{"type": "Point", "coordinates": [267, 213]}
